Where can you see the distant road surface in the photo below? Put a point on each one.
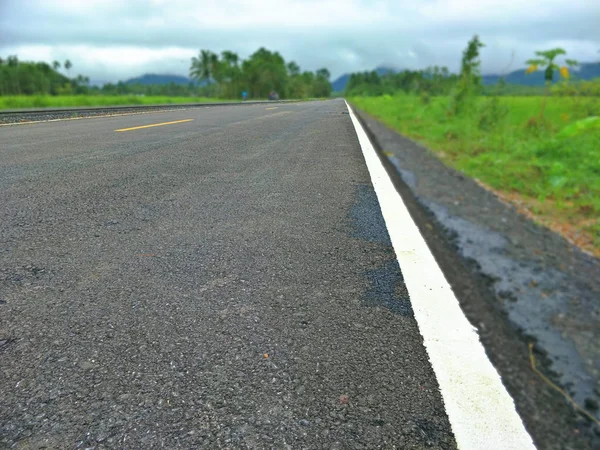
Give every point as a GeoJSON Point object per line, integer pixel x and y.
{"type": "Point", "coordinates": [224, 277]}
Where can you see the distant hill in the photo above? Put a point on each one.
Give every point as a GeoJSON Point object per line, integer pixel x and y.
{"type": "Point", "coordinates": [586, 71]}
{"type": "Point", "coordinates": [152, 78]}
{"type": "Point", "coordinates": [340, 83]}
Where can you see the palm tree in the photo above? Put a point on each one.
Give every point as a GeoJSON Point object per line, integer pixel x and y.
{"type": "Point", "coordinates": [56, 65]}
{"type": "Point", "coordinates": [216, 68]}
{"type": "Point", "coordinates": [230, 58]}
{"type": "Point", "coordinates": [201, 68]}
{"type": "Point", "coordinates": [230, 63]}
{"type": "Point", "coordinates": [68, 66]}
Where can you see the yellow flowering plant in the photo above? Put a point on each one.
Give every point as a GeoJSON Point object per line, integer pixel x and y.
{"type": "Point", "coordinates": [545, 59]}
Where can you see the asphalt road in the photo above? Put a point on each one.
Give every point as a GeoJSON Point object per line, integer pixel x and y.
{"type": "Point", "coordinates": [224, 281]}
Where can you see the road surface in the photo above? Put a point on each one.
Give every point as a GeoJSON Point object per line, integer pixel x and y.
{"type": "Point", "coordinates": [212, 277]}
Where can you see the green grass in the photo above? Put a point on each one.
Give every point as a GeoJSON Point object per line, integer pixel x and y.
{"type": "Point", "coordinates": [513, 153]}
{"type": "Point", "coordinates": [42, 101]}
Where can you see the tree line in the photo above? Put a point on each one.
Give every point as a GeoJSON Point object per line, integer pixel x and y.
{"type": "Point", "coordinates": [435, 80]}
{"type": "Point", "coordinates": [30, 78]}
{"type": "Point", "coordinates": [226, 75]}
{"type": "Point", "coordinates": [213, 75]}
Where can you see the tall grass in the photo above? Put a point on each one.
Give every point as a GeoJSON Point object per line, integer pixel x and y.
{"type": "Point", "coordinates": [516, 152]}
{"type": "Point", "coordinates": [41, 101]}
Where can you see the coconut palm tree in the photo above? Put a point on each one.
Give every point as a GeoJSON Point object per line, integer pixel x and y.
{"type": "Point", "coordinates": [67, 65]}
{"type": "Point", "coordinates": [231, 69]}
{"type": "Point", "coordinates": [201, 68]}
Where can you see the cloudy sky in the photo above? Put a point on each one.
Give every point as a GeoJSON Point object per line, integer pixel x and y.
{"type": "Point", "coordinates": [109, 40]}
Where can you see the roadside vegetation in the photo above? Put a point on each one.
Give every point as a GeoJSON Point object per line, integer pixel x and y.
{"type": "Point", "coordinates": [542, 153]}
{"type": "Point", "coordinates": [60, 101]}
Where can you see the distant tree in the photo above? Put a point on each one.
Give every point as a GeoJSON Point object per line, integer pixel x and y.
{"type": "Point", "coordinates": [216, 67]}
{"type": "Point", "coordinates": [470, 61]}
{"type": "Point", "coordinates": [230, 58]}
{"type": "Point", "coordinates": [322, 85]}
{"type": "Point", "coordinates": [324, 73]}
{"type": "Point", "coordinates": [67, 65]}
{"type": "Point", "coordinates": [55, 65]}
{"type": "Point", "coordinates": [265, 71]}
{"type": "Point", "coordinates": [293, 69]}
{"type": "Point", "coordinates": [469, 81]}
{"type": "Point", "coordinates": [231, 72]}
{"type": "Point", "coordinates": [201, 68]}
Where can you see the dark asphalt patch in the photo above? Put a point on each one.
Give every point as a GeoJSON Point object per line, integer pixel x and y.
{"type": "Point", "coordinates": [366, 223]}
{"type": "Point", "coordinates": [386, 284]}
{"type": "Point", "coordinates": [386, 288]}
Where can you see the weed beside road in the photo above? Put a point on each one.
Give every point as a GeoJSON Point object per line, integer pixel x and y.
{"type": "Point", "coordinates": [503, 143]}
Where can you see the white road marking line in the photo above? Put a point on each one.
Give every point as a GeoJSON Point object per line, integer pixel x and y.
{"type": "Point", "coordinates": [481, 412]}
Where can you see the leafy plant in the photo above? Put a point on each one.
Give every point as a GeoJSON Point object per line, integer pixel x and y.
{"type": "Point", "coordinates": [492, 114]}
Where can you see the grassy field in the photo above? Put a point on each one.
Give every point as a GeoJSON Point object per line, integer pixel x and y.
{"type": "Point", "coordinates": [552, 177]}
{"type": "Point", "coordinates": [27, 101]}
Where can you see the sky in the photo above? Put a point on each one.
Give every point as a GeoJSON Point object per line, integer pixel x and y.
{"type": "Point", "coordinates": [111, 40]}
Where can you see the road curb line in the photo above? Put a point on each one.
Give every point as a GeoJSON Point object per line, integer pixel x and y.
{"type": "Point", "coordinates": [480, 410]}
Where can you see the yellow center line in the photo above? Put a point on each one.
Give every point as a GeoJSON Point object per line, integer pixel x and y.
{"type": "Point", "coordinates": [154, 125]}
{"type": "Point", "coordinates": [273, 107]}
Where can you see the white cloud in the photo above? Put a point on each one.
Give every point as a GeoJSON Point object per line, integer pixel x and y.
{"type": "Point", "coordinates": [115, 39]}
